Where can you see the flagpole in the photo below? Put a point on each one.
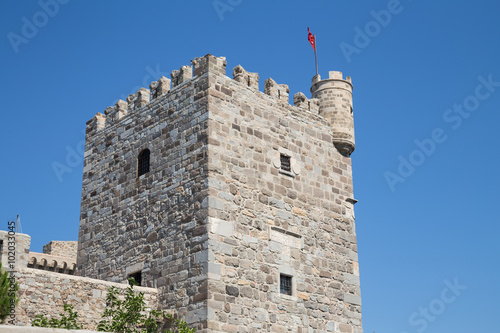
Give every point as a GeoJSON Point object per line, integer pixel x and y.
{"type": "Point", "coordinates": [315, 56]}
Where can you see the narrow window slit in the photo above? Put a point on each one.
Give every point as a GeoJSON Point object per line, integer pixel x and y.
{"type": "Point", "coordinates": [285, 163]}
{"type": "Point", "coordinates": [143, 162]}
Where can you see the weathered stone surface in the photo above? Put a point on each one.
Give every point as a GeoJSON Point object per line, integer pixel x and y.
{"type": "Point", "coordinates": [232, 291]}
{"type": "Point", "coordinates": [44, 293]}
{"type": "Point", "coordinates": [19, 253]}
{"type": "Point", "coordinates": [61, 248]}
{"type": "Point", "coordinates": [352, 299]}
{"type": "Point", "coordinates": [305, 208]}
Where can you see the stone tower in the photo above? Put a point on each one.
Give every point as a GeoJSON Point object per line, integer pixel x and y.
{"type": "Point", "coordinates": [335, 105]}
{"type": "Point", "coordinates": [235, 204]}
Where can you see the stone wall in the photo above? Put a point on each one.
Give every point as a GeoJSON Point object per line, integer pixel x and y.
{"type": "Point", "coordinates": [45, 293]}
{"type": "Point", "coordinates": [153, 224]}
{"type": "Point", "coordinates": [61, 248]}
{"type": "Point", "coordinates": [265, 221]}
{"type": "Point", "coordinates": [17, 329]}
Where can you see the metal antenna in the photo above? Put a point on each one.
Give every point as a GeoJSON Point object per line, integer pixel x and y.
{"type": "Point", "coordinates": [18, 225]}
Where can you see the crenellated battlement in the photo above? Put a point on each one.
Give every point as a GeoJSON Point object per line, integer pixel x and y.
{"type": "Point", "coordinates": [310, 104]}
{"type": "Point", "coordinates": [319, 104]}
{"type": "Point", "coordinates": [279, 91]}
{"type": "Point", "coordinates": [182, 75]}
{"type": "Point", "coordinates": [251, 80]}
{"type": "Point", "coordinates": [164, 86]}
{"type": "Point", "coordinates": [332, 75]}
{"type": "Point", "coordinates": [160, 87]}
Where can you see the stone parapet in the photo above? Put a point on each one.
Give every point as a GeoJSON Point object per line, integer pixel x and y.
{"type": "Point", "coordinates": [18, 329]}
{"type": "Point", "coordinates": [279, 91]}
{"type": "Point", "coordinates": [251, 80]}
{"type": "Point", "coordinates": [58, 264]}
{"type": "Point", "coordinates": [143, 99]}
{"type": "Point", "coordinates": [45, 293]}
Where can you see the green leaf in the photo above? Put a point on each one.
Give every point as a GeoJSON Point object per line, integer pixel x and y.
{"type": "Point", "coordinates": [8, 293]}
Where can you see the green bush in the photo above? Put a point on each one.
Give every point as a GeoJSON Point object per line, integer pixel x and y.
{"type": "Point", "coordinates": [68, 322]}
{"type": "Point", "coordinates": [128, 315]}
{"type": "Point", "coordinates": [180, 326]}
{"type": "Point", "coordinates": [8, 294]}
{"type": "Point", "coordinates": [121, 316]}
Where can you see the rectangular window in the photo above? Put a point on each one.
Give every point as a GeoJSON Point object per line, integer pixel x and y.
{"type": "Point", "coordinates": [137, 277]}
{"type": "Point", "coordinates": [143, 162]}
{"type": "Point", "coordinates": [285, 163]}
{"type": "Point", "coordinates": [285, 284]}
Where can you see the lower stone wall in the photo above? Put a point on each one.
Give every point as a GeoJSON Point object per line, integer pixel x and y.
{"type": "Point", "coordinates": [45, 293]}
{"type": "Point", "coordinates": [17, 329]}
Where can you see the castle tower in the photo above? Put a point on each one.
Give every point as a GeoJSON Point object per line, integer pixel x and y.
{"type": "Point", "coordinates": [335, 105]}
{"type": "Point", "coordinates": [235, 204]}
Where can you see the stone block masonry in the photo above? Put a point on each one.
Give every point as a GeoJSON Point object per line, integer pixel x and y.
{"type": "Point", "coordinates": [20, 249]}
{"type": "Point", "coordinates": [44, 293]}
{"type": "Point", "coordinates": [242, 192]}
{"type": "Point", "coordinates": [61, 248]}
{"type": "Point", "coordinates": [52, 263]}
{"type": "Point", "coordinates": [265, 222]}
{"type": "Point", "coordinates": [153, 224]}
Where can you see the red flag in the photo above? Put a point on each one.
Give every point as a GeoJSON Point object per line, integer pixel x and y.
{"type": "Point", "coordinates": [311, 39]}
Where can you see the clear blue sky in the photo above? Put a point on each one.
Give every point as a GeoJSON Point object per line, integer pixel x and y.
{"type": "Point", "coordinates": [426, 102]}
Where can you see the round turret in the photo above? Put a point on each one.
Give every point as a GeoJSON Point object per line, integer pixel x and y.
{"type": "Point", "coordinates": [335, 105]}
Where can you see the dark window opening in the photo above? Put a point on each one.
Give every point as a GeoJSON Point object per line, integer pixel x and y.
{"type": "Point", "coordinates": [285, 163]}
{"type": "Point", "coordinates": [137, 276]}
{"type": "Point", "coordinates": [1, 249]}
{"type": "Point", "coordinates": [285, 284]}
{"type": "Point", "coordinates": [143, 162]}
